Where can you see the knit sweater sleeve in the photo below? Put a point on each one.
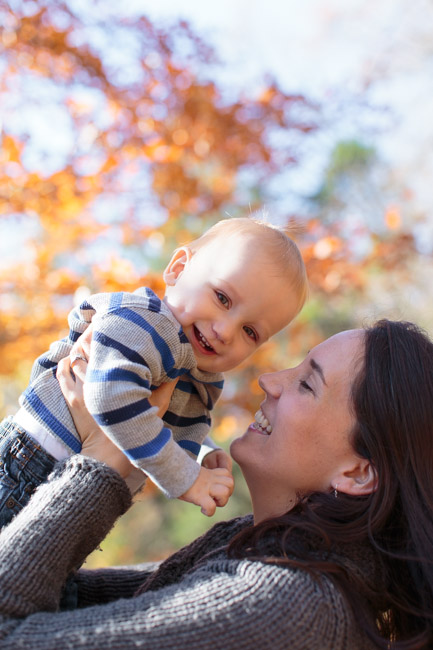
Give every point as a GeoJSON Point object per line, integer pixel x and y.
{"type": "Point", "coordinates": [224, 605]}
{"type": "Point", "coordinates": [133, 350]}
{"type": "Point", "coordinates": [99, 586]}
{"type": "Point", "coordinates": [106, 584]}
{"type": "Point", "coordinates": [53, 535]}
{"type": "Point", "coordinates": [219, 603]}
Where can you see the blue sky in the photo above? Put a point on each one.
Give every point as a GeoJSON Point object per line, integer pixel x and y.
{"type": "Point", "coordinates": [377, 52]}
{"type": "Point", "coordinates": [329, 49]}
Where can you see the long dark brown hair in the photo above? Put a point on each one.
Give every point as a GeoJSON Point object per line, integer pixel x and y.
{"type": "Point", "coordinates": [392, 400]}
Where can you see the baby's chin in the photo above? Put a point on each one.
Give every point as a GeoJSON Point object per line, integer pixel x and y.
{"type": "Point", "coordinates": [209, 367]}
{"type": "Point", "coordinates": [211, 364]}
{"type": "Point", "coordinates": [214, 365]}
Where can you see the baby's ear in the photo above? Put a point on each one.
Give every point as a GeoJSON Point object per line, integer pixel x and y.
{"type": "Point", "coordinates": [176, 265]}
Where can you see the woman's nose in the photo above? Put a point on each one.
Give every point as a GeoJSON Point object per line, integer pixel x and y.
{"type": "Point", "coordinates": [272, 383]}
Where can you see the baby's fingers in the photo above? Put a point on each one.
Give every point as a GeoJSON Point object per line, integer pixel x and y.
{"type": "Point", "coordinates": [221, 492]}
{"type": "Point", "coordinates": [220, 473]}
{"type": "Point", "coordinates": [222, 500]}
{"type": "Point", "coordinates": [222, 477]}
{"type": "Point", "coordinates": [217, 459]}
{"type": "Point", "coordinates": [208, 507]}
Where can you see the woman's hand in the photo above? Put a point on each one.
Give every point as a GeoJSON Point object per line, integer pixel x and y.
{"type": "Point", "coordinates": [161, 396]}
{"type": "Point", "coordinates": [71, 374]}
{"type": "Point", "coordinates": [80, 353]}
{"type": "Point", "coordinates": [95, 442]}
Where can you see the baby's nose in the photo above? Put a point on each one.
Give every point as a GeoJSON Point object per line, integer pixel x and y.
{"type": "Point", "coordinates": [224, 331]}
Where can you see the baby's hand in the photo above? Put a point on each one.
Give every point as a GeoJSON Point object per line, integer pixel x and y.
{"type": "Point", "coordinates": [212, 488]}
{"type": "Point", "coordinates": [217, 458]}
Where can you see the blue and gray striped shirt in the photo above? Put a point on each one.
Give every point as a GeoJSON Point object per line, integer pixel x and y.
{"type": "Point", "coordinates": [137, 344]}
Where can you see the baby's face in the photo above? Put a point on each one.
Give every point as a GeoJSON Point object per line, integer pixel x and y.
{"type": "Point", "coordinates": [229, 299]}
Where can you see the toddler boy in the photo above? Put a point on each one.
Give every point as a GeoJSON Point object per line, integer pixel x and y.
{"type": "Point", "coordinates": [226, 294]}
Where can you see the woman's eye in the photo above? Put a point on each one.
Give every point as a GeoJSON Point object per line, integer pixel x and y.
{"type": "Point", "coordinates": [222, 298]}
{"type": "Point", "coordinates": [250, 332]}
{"type": "Point", "coordinates": [303, 384]}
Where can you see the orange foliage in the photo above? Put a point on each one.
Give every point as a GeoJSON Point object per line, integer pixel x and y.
{"type": "Point", "coordinates": [167, 137]}
{"type": "Point", "coordinates": [393, 217]}
{"type": "Point", "coordinates": [156, 158]}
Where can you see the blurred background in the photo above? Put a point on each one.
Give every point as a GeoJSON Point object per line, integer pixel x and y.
{"type": "Point", "coordinates": [129, 128]}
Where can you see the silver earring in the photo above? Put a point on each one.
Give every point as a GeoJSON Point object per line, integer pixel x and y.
{"type": "Point", "coordinates": [335, 491]}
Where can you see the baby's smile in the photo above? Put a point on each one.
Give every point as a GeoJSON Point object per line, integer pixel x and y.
{"type": "Point", "coordinates": [202, 340]}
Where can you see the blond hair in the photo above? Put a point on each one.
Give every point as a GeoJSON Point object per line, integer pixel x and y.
{"type": "Point", "coordinates": [274, 242]}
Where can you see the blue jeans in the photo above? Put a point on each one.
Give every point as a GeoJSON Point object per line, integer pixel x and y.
{"type": "Point", "coordinates": [23, 466]}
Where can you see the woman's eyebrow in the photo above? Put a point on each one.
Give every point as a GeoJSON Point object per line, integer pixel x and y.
{"type": "Point", "coordinates": [315, 366]}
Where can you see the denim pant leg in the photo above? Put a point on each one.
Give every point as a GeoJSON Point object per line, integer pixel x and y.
{"type": "Point", "coordinates": [23, 466]}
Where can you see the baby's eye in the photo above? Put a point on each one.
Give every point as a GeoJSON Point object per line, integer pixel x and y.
{"type": "Point", "coordinates": [250, 332]}
{"type": "Point", "coordinates": [222, 298]}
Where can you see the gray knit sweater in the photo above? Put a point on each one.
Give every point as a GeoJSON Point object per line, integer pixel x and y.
{"type": "Point", "coordinates": [198, 598]}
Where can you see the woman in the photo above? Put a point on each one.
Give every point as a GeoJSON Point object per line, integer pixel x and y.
{"type": "Point", "coordinates": [338, 463]}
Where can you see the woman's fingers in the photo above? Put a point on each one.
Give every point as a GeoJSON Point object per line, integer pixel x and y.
{"type": "Point", "coordinates": [94, 442]}
{"type": "Point", "coordinates": [161, 396]}
{"type": "Point", "coordinates": [82, 344]}
{"type": "Point", "coordinates": [78, 366]}
{"type": "Point", "coordinates": [71, 388]}
{"type": "Point", "coordinates": [79, 354]}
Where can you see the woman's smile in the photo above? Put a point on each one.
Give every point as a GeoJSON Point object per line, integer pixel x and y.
{"type": "Point", "coordinates": [306, 412]}
{"type": "Point", "coordinates": [262, 423]}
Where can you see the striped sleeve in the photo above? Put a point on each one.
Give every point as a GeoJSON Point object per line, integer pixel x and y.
{"type": "Point", "coordinates": [132, 350]}
{"type": "Point", "coordinates": [78, 320]}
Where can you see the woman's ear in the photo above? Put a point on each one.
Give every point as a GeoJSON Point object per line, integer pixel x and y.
{"type": "Point", "coordinates": [358, 480]}
{"type": "Point", "coordinates": [176, 265]}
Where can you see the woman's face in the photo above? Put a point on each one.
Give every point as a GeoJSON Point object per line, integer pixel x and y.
{"type": "Point", "coordinates": [300, 440]}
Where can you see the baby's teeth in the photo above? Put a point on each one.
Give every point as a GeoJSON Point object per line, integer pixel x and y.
{"type": "Point", "coordinates": [204, 342]}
